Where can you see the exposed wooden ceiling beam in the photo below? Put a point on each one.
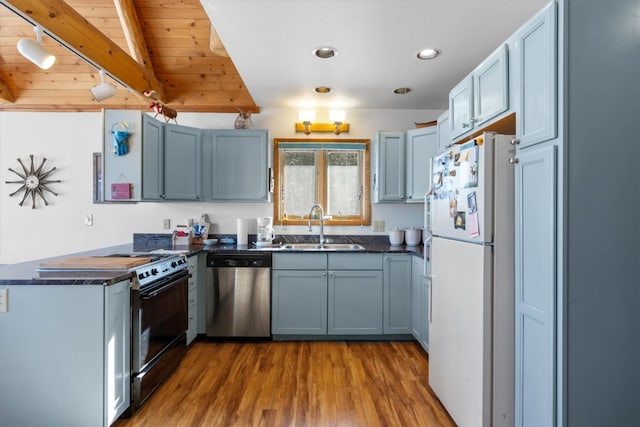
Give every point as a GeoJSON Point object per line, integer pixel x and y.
{"type": "Point", "coordinates": [133, 33]}
{"type": "Point", "coordinates": [215, 44]}
{"type": "Point", "coordinates": [5, 94]}
{"type": "Point", "coordinates": [69, 28]}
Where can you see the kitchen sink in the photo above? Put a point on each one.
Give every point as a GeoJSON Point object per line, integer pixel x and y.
{"type": "Point", "coordinates": [307, 247]}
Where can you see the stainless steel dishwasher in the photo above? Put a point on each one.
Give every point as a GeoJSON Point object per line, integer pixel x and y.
{"type": "Point", "coordinates": [238, 295]}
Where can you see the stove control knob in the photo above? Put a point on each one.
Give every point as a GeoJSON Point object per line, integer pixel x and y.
{"type": "Point", "coordinates": [174, 264]}
{"type": "Point", "coordinates": [141, 276]}
{"type": "Point", "coordinates": [154, 271]}
{"type": "Point", "coordinates": [147, 274]}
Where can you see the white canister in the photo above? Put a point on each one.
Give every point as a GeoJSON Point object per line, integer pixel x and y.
{"type": "Point", "coordinates": [396, 237]}
{"type": "Point", "coordinates": [412, 236]}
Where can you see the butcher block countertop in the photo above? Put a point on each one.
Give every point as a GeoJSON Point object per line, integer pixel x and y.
{"type": "Point", "coordinates": [95, 263]}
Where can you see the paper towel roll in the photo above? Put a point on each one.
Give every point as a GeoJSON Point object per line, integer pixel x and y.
{"type": "Point", "coordinates": [242, 231]}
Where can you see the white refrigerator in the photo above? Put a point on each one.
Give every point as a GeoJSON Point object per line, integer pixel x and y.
{"type": "Point", "coordinates": [471, 347]}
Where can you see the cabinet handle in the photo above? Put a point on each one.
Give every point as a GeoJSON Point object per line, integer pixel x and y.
{"type": "Point", "coordinates": [324, 274]}
{"type": "Point", "coordinates": [514, 160]}
{"type": "Point", "coordinates": [465, 125]}
{"type": "Point", "coordinates": [514, 141]}
{"type": "Point", "coordinates": [162, 196]}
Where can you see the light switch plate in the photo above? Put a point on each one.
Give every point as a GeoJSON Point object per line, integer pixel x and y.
{"type": "Point", "coordinates": [378, 225]}
{"type": "Point", "coordinates": [166, 224]}
{"type": "Point", "coordinates": [4, 300]}
{"type": "Point", "coordinates": [88, 220]}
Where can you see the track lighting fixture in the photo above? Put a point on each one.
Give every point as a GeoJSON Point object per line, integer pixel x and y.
{"type": "Point", "coordinates": [34, 52]}
{"type": "Point", "coordinates": [103, 90]}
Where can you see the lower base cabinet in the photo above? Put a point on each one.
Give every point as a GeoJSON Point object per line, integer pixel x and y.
{"type": "Point", "coordinates": [327, 294]}
{"type": "Point", "coordinates": [65, 354]}
{"type": "Point", "coordinates": [193, 263]}
{"type": "Point", "coordinates": [397, 294]}
{"type": "Point", "coordinates": [420, 303]}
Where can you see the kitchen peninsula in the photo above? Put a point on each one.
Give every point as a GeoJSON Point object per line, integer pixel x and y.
{"type": "Point", "coordinates": [66, 341]}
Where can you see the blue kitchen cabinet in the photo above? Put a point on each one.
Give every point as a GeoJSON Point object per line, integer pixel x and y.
{"type": "Point", "coordinates": [536, 120]}
{"type": "Point", "coordinates": [355, 294]}
{"type": "Point", "coordinates": [419, 303]}
{"type": "Point", "coordinates": [535, 258]}
{"type": "Point", "coordinates": [236, 165]}
{"type": "Point", "coordinates": [444, 132]}
{"type": "Point", "coordinates": [82, 378]}
{"type": "Point", "coordinates": [397, 294]}
{"type": "Point", "coordinates": [152, 158]}
{"type": "Point", "coordinates": [422, 144]}
{"type": "Point", "coordinates": [171, 161]}
{"type": "Point", "coordinates": [299, 294]}
{"type": "Point", "coordinates": [480, 96]}
{"type": "Point", "coordinates": [182, 162]}
{"type": "Point", "coordinates": [389, 160]}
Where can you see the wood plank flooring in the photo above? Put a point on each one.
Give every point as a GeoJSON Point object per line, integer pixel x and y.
{"type": "Point", "coordinates": [296, 384]}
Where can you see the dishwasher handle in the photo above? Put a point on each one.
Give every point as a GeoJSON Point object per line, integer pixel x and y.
{"type": "Point", "coordinates": [239, 260]}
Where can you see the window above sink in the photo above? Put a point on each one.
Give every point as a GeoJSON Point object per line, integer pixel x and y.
{"type": "Point", "coordinates": [332, 172]}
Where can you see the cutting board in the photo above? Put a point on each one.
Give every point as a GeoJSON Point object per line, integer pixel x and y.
{"type": "Point", "coordinates": [95, 263]}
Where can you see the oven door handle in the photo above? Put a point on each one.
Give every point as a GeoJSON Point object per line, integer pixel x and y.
{"type": "Point", "coordinates": [158, 291]}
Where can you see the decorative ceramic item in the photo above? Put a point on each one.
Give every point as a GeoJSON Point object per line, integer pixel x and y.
{"type": "Point", "coordinates": [34, 182]}
{"type": "Point", "coordinates": [243, 121]}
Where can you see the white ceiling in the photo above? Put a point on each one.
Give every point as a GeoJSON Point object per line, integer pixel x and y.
{"type": "Point", "coordinates": [271, 44]}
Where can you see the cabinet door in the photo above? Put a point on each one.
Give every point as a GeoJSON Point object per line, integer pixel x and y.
{"type": "Point", "coordinates": [444, 132]}
{"type": "Point", "coordinates": [182, 159]}
{"type": "Point", "coordinates": [461, 107]}
{"type": "Point", "coordinates": [537, 111]}
{"type": "Point", "coordinates": [355, 302]}
{"type": "Point", "coordinates": [237, 165]}
{"type": "Point", "coordinates": [422, 144]}
{"type": "Point", "coordinates": [389, 161]}
{"type": "Point", "coordinates": [192, 299]}
{"type": "Point", "coordinates": [117, 350]}
{"type": "Point", "coordinates": [426, 312]}
{"type": "Point", "coordinates": [397, 294]}
{"type": "Point", "coordinates": [152, 158]}
{"type": "Point", "coordinates": [535, 287]}
{"type": "Point", "coordinates": [299, 302]}
{"type": "Point", "coordinates": [491, 87]}
{"type": "Point", "coordinates": [417, 301]}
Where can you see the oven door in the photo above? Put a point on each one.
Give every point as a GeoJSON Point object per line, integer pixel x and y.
{"type": "Point", "coordinates": [159, 318]}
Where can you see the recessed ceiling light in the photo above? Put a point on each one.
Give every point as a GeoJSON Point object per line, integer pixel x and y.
{"type": "Point", "coordinates": [325, 52]}
{"type": "Point", "coordinates": [322, 89]}
{"type": "Point", "coordinates": [402, 90]}
{"type": "Point", "coordinates": [428, 53]}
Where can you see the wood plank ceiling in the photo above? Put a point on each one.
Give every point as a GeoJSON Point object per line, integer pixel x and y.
{"type": "Point", "coordinates": [177, 35]}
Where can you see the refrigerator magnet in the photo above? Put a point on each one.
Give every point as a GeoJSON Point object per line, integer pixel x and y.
{"type": "Point", "coordinates": [459, 221]}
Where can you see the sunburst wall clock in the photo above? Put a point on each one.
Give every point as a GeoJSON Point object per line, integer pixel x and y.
{"type": "Point", "coordinates": [34, 182]}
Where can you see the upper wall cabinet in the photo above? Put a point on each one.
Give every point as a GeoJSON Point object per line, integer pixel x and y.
{"type": "Point", "coordinates": [236, 165]}
{"type": "Point", "coordinates": [422, 145]}
{"type": "Point", "coordinates": [481, 96]}
{"type": "Point", "coordinates": [389, 167]}
{"type": "Point", "coordinates": [171, 161]}
{"type": "Point", "coordinates": [402, 164]}
{"type": "Point", "coordinates": [537, 110]}
{"type": "Point", "coordinates": [444, 132]}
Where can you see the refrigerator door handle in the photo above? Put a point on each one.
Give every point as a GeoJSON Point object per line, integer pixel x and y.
{"type": "Point", "coordinates": [430, 297]}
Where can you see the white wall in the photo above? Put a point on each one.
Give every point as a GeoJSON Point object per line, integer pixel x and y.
{"type": "Point", "coordinates": [68, 141]}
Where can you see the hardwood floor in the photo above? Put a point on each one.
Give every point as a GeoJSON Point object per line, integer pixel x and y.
{"type": "Point", "coordinates": [296, 384]}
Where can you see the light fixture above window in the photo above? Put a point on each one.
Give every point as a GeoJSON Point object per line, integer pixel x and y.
{"type": "Point", "coordinates": [307, 124]}
{"type": "Point", "coordinates": [34, 52]}
{"type": "Point", "coordinates": [103, 90]}
{"type": "Point", "coordinates": [429, 53]}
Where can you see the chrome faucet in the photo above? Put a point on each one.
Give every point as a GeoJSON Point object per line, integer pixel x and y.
{"type": "Point", "coordinates": [314, 207]}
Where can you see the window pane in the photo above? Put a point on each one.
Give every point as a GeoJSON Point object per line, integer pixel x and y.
{"type": "Point", "coordinates": [344, 183]}
{"type": "Point", "coordinates": [300, 176]}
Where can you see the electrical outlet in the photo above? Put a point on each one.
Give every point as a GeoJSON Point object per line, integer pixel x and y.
{"type": "Point", "coordinates": [88, 220]}
{"type": "Point", "coordinates": [4, 300]}
{"type": "Point", "coordinates": [378, 225]}
{"type": "Point", "coordinates": [166, 224]}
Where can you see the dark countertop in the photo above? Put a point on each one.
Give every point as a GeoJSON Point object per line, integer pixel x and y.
{"type": "Point", "coordinates": [25, 273]}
